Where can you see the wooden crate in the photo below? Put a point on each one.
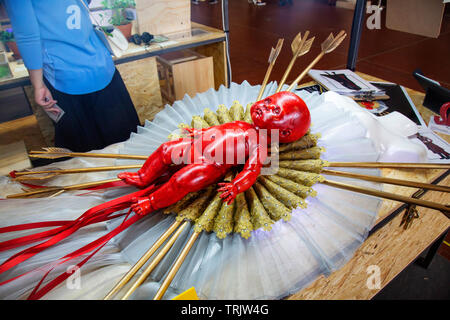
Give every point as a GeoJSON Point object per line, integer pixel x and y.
{"type": "Point", "coordinates": [422, 17]}
{"type": "Point", "coordinates": [184, 72]}
{"type": "Point", "coordinates": [163, 16]}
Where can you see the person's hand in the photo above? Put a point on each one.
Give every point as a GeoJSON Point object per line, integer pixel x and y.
{"type": "Point", "coordinates": [44, 98]}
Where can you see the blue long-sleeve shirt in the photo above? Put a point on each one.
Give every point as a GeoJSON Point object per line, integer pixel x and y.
{"type": "Point", "coordinates": [58, 36]}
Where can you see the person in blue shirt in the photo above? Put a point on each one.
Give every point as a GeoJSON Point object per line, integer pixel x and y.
{"type": "Point", "coordinates": [69, 65]}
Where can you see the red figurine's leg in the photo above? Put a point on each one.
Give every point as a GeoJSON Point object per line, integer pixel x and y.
{"type": "Point", "coordinates": [156, 164]}
{"type": "Point", "coordinates": [191, 178]}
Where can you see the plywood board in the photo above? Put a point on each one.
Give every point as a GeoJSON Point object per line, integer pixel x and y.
{"type": "Point", "coordinates": [25, 129]}
{"type": "Point", "coordinates": [141, 79]}
{"type": "Point", "coordinates": [13, 156]}
{"type": "Point", "coordinates": [422, 17]}
{"type": "Point", "coordinates": [218, 52]}
{"type": "Point", "coordinates": [193, 77]}
{"type": "Point", "coordinates": [163, 16]}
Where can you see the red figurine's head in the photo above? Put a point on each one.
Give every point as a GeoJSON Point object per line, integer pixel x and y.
{"type": "Point", "coordinates": [284, 111]}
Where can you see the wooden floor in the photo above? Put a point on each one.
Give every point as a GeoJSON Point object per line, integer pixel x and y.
{"type": "Point", "coordinates": [383, 53]}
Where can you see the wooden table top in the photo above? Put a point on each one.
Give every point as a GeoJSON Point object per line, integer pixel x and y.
{"type": "Point", "coordinates": [390, 248]}
{"type": "Point", "coordinates": [176, 41]}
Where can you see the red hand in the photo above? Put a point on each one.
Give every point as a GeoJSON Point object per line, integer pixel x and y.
{"type": "Point", "coordinates": [229, 190]}
{"type": "Point", "coordinates": [132, 178]}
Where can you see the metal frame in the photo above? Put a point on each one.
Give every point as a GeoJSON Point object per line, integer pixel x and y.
{"type": "Point", "coordinates": [226, 30]}
{"type": "Point", "coordinates": [355, 38]}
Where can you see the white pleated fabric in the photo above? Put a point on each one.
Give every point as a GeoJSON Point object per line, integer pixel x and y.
{"type": "Point", "coordinates": [269, 265]}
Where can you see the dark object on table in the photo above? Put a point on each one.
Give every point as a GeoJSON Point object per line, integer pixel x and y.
{"type": "Point", "coordinates": [136, 39]}
{"type": "Point", "coordinates": [146, 37]}
{"type": "Point", "coordinates": [343, 80]}
{"type": "Point", "coordinates": [314, 88]}
{"type": "Point", "coordinates": [398, 101]}
{"type": "Point", "coordinates": [436, 95]}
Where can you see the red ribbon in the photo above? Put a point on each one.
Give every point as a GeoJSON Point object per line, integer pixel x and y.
{"type": "Point", "coordinates": [102, 212]}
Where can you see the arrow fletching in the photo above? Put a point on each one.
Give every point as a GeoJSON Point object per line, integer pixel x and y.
{"type": "Point", "coordinates": [50, 153]}
{"type": "Point", "coordinates": [57, 150]}
{"type": "Point", "coordinates": [331, 43]}
{"type": "Point", "coordinates": [272, 57]}
{"type": "Point", "coordinates": [327, 46]}
{"type": "Point", "coordinates": [275, 52]}
{"type": "Point", "coordinates": [299, 46]}
{"type": "Point", "coordinates": [306, 47]}
{"type": "Point", "coordinates": [296, 43]}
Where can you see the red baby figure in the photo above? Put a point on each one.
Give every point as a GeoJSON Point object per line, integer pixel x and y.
{"type": "Point", "coordinates": [207, 154]}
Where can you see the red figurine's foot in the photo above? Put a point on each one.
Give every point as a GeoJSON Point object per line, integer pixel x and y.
{"type": "Point", "coordinates": [132, 178]}
{"type": "Point", "coordinates": [142, 206]}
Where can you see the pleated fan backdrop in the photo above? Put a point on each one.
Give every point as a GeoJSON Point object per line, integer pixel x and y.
{"type": "Point", "coordinates": [317, 240]}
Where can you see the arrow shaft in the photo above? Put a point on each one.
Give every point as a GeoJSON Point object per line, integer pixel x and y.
{"type": "Point", "coordinates": [88, 155]}
{"type": "Point", "coordinates": [266, 79]}
{"type": "Point", "coordinates": [309, 67]}
{"type": "Point", "coordinates": [399, 182]}
{"type": "Point", "coordinates": [161, 254]}
{"type": "Point", "coordinates": [143, 260]}
{"type": "Point", "coordinates": [397, 165]}
{"type": "Point", "coordinates": [390, 196]}
{"type": "Point", "coordinates": [78, 170]}
{"type": "Point", "coordinates": [176, 266]}
{"type": "Point", "coordinates": [286, 74]}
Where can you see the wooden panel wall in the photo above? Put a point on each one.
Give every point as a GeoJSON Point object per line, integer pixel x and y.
{"type": "Point", "coordinates": [141, 80]}
{"type": "Point", "coordinates": [217, 51]}
{"type": "Point", "coordinates": [163, 16]}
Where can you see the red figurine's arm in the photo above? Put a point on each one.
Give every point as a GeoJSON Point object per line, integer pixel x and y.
{"type": "Point", "coordinates": [247, 177]}
{"type": "Point", "coordinates": [195, 131]}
